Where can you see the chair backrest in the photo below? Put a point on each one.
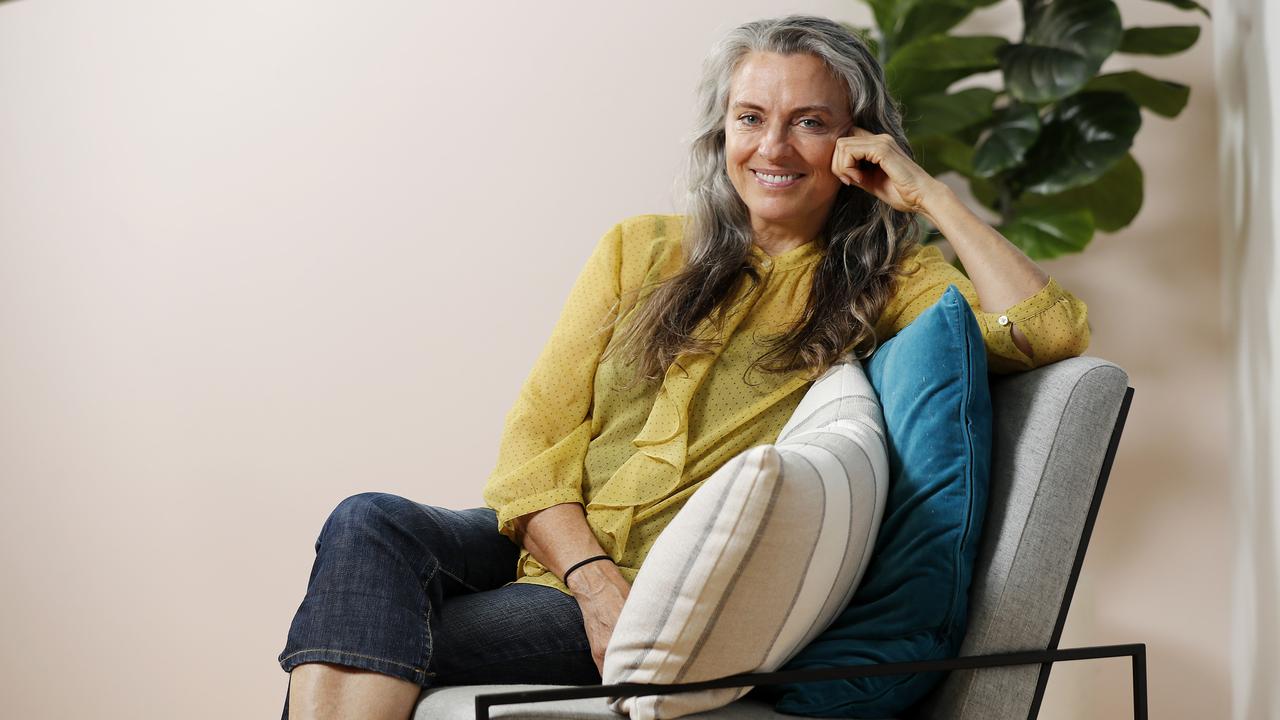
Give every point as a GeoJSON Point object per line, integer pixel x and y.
{"type": "Point", "coordinates": [1056, 429]}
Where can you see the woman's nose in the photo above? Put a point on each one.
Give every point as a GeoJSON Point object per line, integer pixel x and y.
{"type": "Point", "coordinates": [774, 142]}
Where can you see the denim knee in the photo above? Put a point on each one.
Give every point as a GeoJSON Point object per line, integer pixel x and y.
{"type": "Point", "coordinates": [359, 514]}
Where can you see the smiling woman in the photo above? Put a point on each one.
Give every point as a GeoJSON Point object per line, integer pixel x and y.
{"type": "Point", "coordinates": [802, 196]}
{"type": "Point", "coordinates": [787, 112]}
{"type": "Point", "coordinates": [797, 141]}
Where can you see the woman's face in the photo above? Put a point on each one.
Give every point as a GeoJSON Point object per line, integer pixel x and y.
{"type": "Point", "coordinates": [785, 114]}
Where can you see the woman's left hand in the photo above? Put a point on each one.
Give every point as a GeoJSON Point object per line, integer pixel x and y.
{"type": "Point", "coordinates": [877, 165]}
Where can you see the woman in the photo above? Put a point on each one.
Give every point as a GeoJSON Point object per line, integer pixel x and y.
{"type": "Point", "coordinates": [799, 245]}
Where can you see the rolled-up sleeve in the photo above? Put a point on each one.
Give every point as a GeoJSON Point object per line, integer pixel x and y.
{"type": "Point", "coordinates": [546, 434]}
{"type": "Point", "coordinates": [1054, 321]}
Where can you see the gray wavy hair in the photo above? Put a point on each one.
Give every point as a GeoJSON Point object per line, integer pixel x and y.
{"type": "Point", "coordinates": [865, 240]}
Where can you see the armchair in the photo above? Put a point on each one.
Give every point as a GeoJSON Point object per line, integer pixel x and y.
{"type": "Point", "coordinates": [1056, 432]}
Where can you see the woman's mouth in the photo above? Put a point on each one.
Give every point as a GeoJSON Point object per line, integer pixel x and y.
{"type": "Point", "coordinates": [777, 181]}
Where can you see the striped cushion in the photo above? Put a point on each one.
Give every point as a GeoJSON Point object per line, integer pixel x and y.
{"type": "Point", "coordinates": [762, 557]}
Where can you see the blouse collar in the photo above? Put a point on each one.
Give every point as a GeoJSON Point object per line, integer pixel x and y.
{"type": "Point", "coordinates": [795, 257]}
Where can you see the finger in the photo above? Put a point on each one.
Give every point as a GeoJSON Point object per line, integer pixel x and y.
{"type": "Point", "coordinates": [858, 155]}
{"type": "Point", "coordinates": [880, 143]}
{"type": "Point", "coordinates": [848, 155]}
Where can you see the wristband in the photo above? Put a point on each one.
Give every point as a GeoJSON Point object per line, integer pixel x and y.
{"type": "Point", "coordinates": [565, 579]}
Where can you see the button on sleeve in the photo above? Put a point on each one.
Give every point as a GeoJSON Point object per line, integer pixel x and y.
{"type": "Point", "coordinates": [1053, 320]}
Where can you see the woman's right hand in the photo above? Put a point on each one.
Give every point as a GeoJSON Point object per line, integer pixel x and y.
{"type": "Point", "coordinates": [559, 537]}
{"type": "Point", "coordinates": [601, 592]}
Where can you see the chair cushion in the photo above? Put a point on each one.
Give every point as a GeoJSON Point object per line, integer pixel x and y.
{"type": "Point", "coordinates": [459, 703]}
{"type": "Point", "coordinates": [761, 558]}
{"type": "Point", "coordinates": [1052, 429]}
{"type": "Point", "coordinates": [912, 604]}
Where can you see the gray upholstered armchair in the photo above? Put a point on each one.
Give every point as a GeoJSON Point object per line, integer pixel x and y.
{"type": "Point", "coordinates": [1056, 430]}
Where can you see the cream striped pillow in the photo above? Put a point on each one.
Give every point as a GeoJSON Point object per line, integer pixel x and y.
{"type": "Point", "coordinates": [761, 558]}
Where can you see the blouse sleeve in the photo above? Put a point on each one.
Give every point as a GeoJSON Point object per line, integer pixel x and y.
{"type": "Point", "coordinates": [545, 435]}
{"type": "Point", "coordinates": [1053, 320]}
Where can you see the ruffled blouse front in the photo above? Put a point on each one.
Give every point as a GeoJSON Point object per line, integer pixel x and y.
{"type": "Point", "coordinates": [632, 457]}
{"type": "Point", "coordinates": [642, 466]}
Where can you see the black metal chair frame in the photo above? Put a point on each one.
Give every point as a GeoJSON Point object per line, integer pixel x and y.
{"type": "Point", "coordinates": [1137, 653]}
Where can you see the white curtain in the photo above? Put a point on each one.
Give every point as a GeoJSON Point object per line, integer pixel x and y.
{"type": "Point", "coordinates": [1248, 75]}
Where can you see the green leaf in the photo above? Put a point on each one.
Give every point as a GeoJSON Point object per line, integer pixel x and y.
{"type": "Point", "coordinates": [970, 135]}
{"type": "Point", "coordinates": [1042, 74]}
{"type": "Point", "coordinates": [943, 114]}
{"type": "Point", "coordinates": [1088, 27]}
{"type": "Point", "coordinates": [886, 13]}
{"type": "Point", "coordinates": [1114, 199]}
{"type": "Point", "coordinates": [1064, 45]}
{"type": "Point", "coordinates": [1081, 138]}
{"type": "Point", "coordinates": [930, 17]}
{"type": "Point", "coordinates": [1048, 233]}
{"type": "Point", "coordinates": [1186, 5]}
{"type": "Point", "coordinates": [944, 153]}
{"type": "Point", "coordinates": [925, 19]}
{"type": "Point", "coordinates": [1162, 97]}
{"type": "Point", "coordinates": [1166, 40]}
{"type": "Point", "coordinates": [904, 21]}
{"type": "Point", "coordinates": [926, 159]}
{"type": "Point", "coordinates": [931, 64]}
{"type": "Point", "coordinates": [929, 163]}
{"type": "Point", "coordinates": [1015, 131]}
{"type": "Point", "coordinates": [985, 192]}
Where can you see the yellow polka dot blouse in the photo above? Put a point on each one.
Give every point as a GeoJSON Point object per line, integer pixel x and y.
{"type": "Point", "coordinates": [632, 458]}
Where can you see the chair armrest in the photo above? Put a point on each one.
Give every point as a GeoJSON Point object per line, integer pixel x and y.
{"type": "Point", "coordinates": [1137, 653]}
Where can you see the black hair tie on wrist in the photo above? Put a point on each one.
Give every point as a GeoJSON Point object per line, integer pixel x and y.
{"type": "Point", "coordinates": [565, 579]}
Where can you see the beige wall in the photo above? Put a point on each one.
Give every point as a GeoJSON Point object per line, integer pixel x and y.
{"type": "Point", "coordinates": [257, 257]}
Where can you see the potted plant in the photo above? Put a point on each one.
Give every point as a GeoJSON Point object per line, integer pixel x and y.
{"type": "Point", "coordinates": [1048, 152]}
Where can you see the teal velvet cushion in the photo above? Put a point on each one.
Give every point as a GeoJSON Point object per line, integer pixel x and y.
{"type": "Point", "coordinates": [912, 603]}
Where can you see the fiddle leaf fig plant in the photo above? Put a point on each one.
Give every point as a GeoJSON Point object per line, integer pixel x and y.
{"type": "Point", "coordinates": [1048, 150]}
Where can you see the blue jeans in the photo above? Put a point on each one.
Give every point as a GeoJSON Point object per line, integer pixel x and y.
{"type": "Point", "coordinates": [417, 592]}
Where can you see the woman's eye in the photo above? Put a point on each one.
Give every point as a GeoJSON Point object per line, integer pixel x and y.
{"type": "Point", "coordinates": [752, 119]}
